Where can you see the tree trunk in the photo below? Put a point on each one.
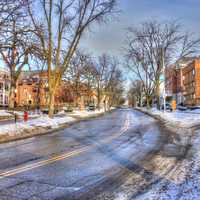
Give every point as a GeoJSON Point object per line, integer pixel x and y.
{"type": "Point", "coordinates": [12, 96]}
{"type": "Point", "coordinates": [148, 99]}
{"type": "Point", "coordinates": [158, 94]}
{"type": "Point", "coordinates": [51, 103]}
{"type": "Point", "coordinates": [140, 100]}
{"type": "Point", "coordinates": [98, 99]}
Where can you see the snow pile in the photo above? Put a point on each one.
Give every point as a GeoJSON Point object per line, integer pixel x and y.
{"type": "Point", "coordinates": [41, 122]}
{"type": "Point", "coordinates": [85, 113]}
{"type": "Point", "coordinates": [4, 113]}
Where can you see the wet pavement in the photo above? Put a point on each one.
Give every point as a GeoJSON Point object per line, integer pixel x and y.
{"type": "Point", "coordinates": [109, 157]}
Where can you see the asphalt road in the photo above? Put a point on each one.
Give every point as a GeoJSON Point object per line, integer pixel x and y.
{"type": "Point", "coordinates": [104, 158]}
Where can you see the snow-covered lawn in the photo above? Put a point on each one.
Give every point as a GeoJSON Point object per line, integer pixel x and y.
{"type": "Point", "coordinates": [85, 113]}
{"type": "Point", "coordinates": [40, 122]}
{"type": "Point", "coordinates": [4, 113]}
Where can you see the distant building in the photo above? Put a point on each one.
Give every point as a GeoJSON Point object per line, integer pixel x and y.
{"type": "Point", "coordinates": [4, 87]}
{"type": "Point", "coordinates": [32, 90]}
{"type": "Point", "coordinates": [183, 81]}
{"type": "Point", "coordinates": [191, 83]}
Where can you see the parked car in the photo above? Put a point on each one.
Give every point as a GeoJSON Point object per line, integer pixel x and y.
{"type": "Point", "coordinates": [68, 109]}
{"type": "Point", "coordinates": [194, 107]}
{"type": "Point", "coordinates": [46, 111]}
{"type": "Point", "coordinates": [167, 106]}
{"type": "Point", "coordinates": [181, 107]}
{"type": "Point", "coordinates": [91, 107]}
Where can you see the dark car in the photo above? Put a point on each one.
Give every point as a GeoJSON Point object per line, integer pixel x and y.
{"type": "Point", "coordinates": [46, 111]}
{"type": "Point", "coordinates": [167, 106]}
{"type": "Point", "coordinates": [194, 107]}
{"type": "Point", "coordinates": [91, 107]}
{"type": "Point", "coordinates": [181, 107]}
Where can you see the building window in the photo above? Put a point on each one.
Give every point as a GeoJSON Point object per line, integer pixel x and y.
{"type": "Point", "coordinates": [193, 72]}
{"type": "Point", "coordinates": [6, 87]}
{"type": "Point", "coordinates": [6, 100]}
{"type": "Point", "coordinates": [1, 86]}
{"type": "Point", "coordinates": [1, 99]}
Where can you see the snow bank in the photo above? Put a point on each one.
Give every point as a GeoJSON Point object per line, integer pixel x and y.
{"type": "Point", "coordinates": [41, 122]}
{"type": "Point", "coordinates": [179, 118]}
{"type": "Point", "coordinates": [4, 113]}
{"type": "Point", "coordinates": [85, 113]}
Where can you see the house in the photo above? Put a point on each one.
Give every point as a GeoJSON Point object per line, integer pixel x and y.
{"type": "Point", "coordinates": [4, 87]}
{"type": "Point", "coordinates": [32, 91]}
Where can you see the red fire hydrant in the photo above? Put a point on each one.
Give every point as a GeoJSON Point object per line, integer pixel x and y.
{"type": "Point", "coordinates": [25, 116]}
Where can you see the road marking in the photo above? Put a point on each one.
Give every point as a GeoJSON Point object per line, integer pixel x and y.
{"type": "Point", "coordinates": [42, 163]}
{"type": "Point", "coordinates": [54, 159]}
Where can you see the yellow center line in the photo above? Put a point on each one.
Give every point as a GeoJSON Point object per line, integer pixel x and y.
{"type": "Point", "coordinates": [61, 157]}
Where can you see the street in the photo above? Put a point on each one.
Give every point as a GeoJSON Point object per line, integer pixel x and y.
{"type": "Point", "coordinates": [109, 157]}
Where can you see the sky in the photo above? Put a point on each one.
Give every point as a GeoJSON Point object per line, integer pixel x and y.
{"type": "Point", "coordinates": [110, 38]}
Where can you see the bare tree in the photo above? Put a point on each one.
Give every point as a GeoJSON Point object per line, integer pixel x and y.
{"type": "Point", "coordinates": [75, 73]}
{"type": "Point", "coordinates": [109, 81]}
{"type": "Point", "coordinates": [154, 45]}
{"type": "Point", "coordinates": [113, 84]}
{"type": "Point", "coordinates": [135, 93]}
{"type": "Point", "coordinates": [60, 31]}
{"type": "Point", "coordinates": [139, 65]}
{"type": "Point", "coordinates": [101, 68]}
{"type": "Point", "coordinates": [15, 42]}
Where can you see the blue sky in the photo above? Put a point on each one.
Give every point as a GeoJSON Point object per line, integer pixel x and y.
{"type": "Point", "coordinates": [110, 37]}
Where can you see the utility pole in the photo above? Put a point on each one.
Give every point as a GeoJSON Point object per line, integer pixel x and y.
{"type": "Point", "coordinates": [163, 68]}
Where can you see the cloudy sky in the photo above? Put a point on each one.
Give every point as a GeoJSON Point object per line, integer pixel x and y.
{"type": "Point", "coordinates": [110, 37]}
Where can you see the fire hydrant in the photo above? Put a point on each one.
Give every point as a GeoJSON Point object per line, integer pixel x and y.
{"type": "Point", "coordinates": [25, 116]}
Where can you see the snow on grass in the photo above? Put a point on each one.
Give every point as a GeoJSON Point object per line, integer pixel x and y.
{"type": "Point", "coordinates": [40, 122]}
{"type": "Point", "coordinates": [37, 121]}
{"type": "Point", "coordinates": [4, 113]}
{"type": "Point", "coordinates": [85, 113]}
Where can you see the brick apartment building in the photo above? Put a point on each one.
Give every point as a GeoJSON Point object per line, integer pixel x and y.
{"type": "Point", "coordinates": [32, 89]}
{"type": "Point", "coordinates": [191, 83]}
{"type": "Point", "coordinates": [183, 81]}
{"type": "Point", "coordinates": [4, 87]}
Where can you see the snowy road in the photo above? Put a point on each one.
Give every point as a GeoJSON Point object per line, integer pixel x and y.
{"type": "Point", "coordinates": [119, 156]}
